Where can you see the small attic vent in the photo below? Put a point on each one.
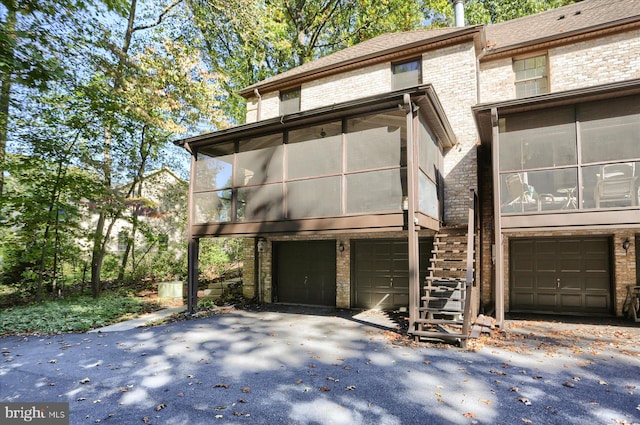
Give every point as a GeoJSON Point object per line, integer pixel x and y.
{"type": "Point", "coordinates": [560, 17]}
{"type": "Point", "coordinates": [577, 12]}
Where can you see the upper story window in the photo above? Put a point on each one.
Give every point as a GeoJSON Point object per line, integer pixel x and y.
{"type": "Point", "coordinates": [290, 101]}
{"type": "Point", "coordinates": [531, 76]}
{"type": "Point", "coordinates": [406, 74]}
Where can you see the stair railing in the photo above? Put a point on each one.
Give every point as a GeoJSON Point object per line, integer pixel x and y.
{"type": "Point", "coordinates": [474, 214]}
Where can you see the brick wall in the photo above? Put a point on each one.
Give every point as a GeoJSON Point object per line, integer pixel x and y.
{"type": "Point", "coordinates": [597, 61]}
{"type": "Point", "coordinates": [452, 71]}
{"type": "Point", "coordinates": [357, 84]}
{"type": "Point", "coordinates": [582, 64]}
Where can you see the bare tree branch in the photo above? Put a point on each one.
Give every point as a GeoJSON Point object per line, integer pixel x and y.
{"type": "Point", "coordinates": [160, 17]}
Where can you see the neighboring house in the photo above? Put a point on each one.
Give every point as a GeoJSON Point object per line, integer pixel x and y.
{"type": "Point", "coordinates": [159, 203]}
{"type": "Point", "coordinates": [352, 166]}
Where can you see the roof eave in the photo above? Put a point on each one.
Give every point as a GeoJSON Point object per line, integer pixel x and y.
{"type": "Point", "coordinates": [562, 35]}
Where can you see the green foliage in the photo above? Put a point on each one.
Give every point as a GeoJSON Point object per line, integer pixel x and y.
{"type": "Point", "coordinates": [250, 40]}
{"type": "Point", "coordinates": [439, 13]}
{"type": "Point", "coordinates": [218, 256]}
{"type": "Point", "coordinates": [77, 314]}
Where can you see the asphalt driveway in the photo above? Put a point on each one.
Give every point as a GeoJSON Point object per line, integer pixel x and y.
{"type": "Point", "coordinates": [291, 366]}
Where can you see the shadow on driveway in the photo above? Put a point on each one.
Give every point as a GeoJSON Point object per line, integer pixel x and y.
{"type": "Point", "coordinates": [292, 365]}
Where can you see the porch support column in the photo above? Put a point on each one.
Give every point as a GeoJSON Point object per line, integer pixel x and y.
{"type": "Point", "coordinates": [192, 277]}
{"type": "Point", "coordinates": [193, 248]}
{"type": "Point", "coordinates": [499, 250]}
{"type": "Point", "coordinates": [412, 229]}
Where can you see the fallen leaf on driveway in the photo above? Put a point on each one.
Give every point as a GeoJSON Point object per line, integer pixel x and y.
{"type": "Point", "coordinates": [221, 386]}
{"type": "Point", "coordinates": [246, 390]}
{"type": "Point", "coordinates": [601, 382]}
{"type": "Point", "coordinates": [569, 384]}
{"type": "Point", "coordinates": [350, 387]}
{"type": "Point", "coordinates": [161, 406]}
{"type": "Point", "coordinates": [514, 389]}
{"type": "Point", "coordinates": [85, 380]}
{"type": "Point", "coordinates": [497, 372]}
{"type": "Point", "coordinates": [325, 389]}
{"type": "Point", "coordinates": [524, 400]}
{"type": "Point", "coordinates": [469, 415]}
{"type": "Point", "coordinates": [526, 421]}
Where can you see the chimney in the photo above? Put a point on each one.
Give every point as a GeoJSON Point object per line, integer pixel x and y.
{"type": "Point", "coordinates": [458, 8]}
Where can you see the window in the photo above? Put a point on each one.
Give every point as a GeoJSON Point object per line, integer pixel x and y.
{"type": "Point", "coordinates": [406, 74]}
{"type": "Point", "coordinates": [123, 240]}
{"type": "Point", "coordinates": [531, 76]}
{"type": "Point", "coordinates": [290, 101]}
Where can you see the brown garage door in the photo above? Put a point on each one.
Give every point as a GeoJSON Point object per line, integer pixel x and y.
{"type": "Point", "coordinates": [380, 272]}
{"type": "Point", "coordinates": [561, 275]}
{"type": "Point", "coordinates": [305, 272]}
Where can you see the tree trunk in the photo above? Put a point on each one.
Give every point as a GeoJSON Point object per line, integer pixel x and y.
{"type": "Point", "coordinates": [99, 238]}
{"type": "Point", "coordinates": [5, 90]}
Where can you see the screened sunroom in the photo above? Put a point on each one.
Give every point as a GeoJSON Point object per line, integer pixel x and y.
{"type": "Point", "coordinates": [338, 168]}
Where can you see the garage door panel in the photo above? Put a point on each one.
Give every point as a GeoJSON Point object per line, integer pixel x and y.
{"type": "Point", "coordinates": [598, 303]}
{"type": "Point", "coordinates": [570, 274]}
{"type": "Point", "coordinates": [545, 281]}
{"type": "Point", "coordinates": [570, 264]}
{"type": "Point", "coordinates": [524, 299]}
{"type": "Point", "coordinates": [524, 282]}
{"type": "Point", "coordinates": [572, 301]}
{"type": "Point", "coordinates": [380, 272]}
{"type": "Point", "coordinates": [546, 301]}
{"type": "Point", "coordinates": [597, 264]}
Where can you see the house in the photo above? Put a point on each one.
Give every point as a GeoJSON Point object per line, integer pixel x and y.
{"type": "Point", "coordinates": [158, 202]}
{"type": "Point", "coordinates": [446, 171]}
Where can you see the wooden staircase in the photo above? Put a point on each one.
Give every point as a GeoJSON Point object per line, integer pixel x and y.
{"type": "Point", "coordinates": [445, 311]}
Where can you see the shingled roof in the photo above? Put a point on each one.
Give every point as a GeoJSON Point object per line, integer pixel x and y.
{"type": "Point", "coordinates": [582, 17]}
{"type": "Point", "coordinates": [567, 21]}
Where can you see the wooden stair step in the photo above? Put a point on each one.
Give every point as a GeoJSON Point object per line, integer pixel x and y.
{"type": "Point", "coordinates": [459, 298]}
{"type": "Point", "coordinates": [447, 269]}
{"type": "Point", "coordinates": [439, 335]}
{"type": "Point", "coordinates": [438, 322]}
{"type": "Point", "coordinates": [449, 251]}
{"type": "Point", "coordinates": [441, 311]}
{"type": "Point", "coordinates": [447, 279]}
{"type": "Point", "coordinates": [448, 289]}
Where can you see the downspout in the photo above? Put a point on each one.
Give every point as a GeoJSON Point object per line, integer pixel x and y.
{"type": "Point", "coordinates": [483, 53]}
{"type": "Point", "coordinates": [478, 59]}
{"type": "Point", "coordinates": [497, 227]}
{"type": "Point", "coordinates": [259, 110]}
